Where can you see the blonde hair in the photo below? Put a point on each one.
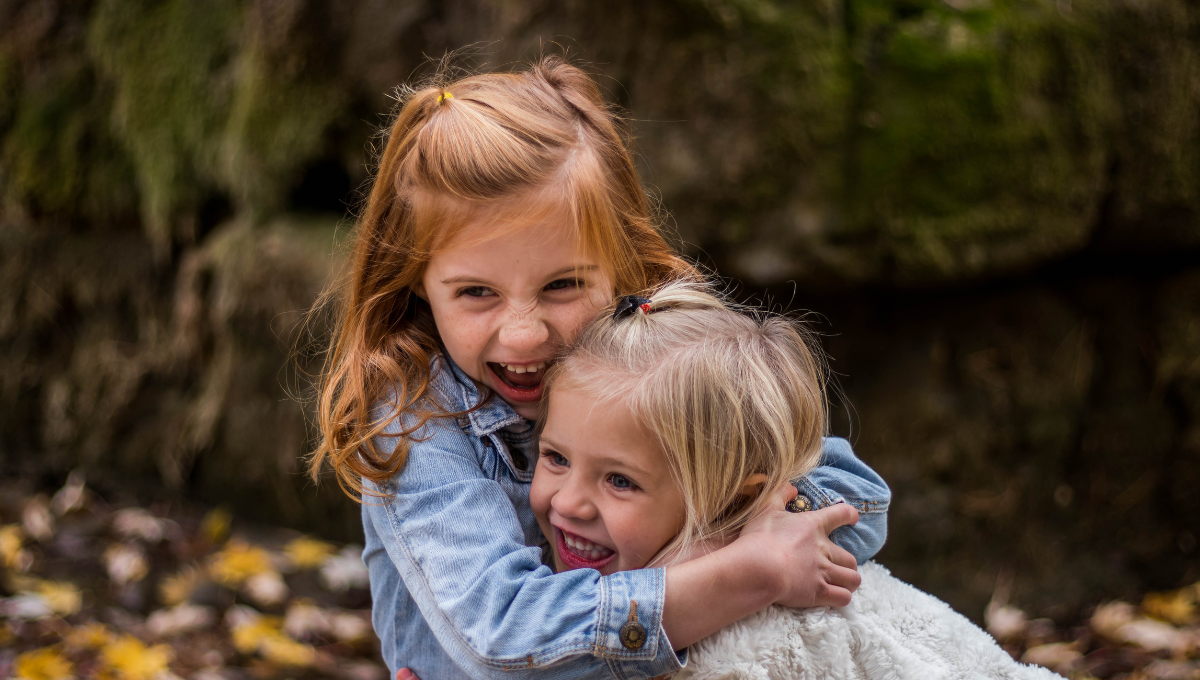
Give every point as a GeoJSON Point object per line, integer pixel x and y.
{"type": "Point", "coordinates": [728, 392]}
{"type": "Point", "coordinates": [453, 149]}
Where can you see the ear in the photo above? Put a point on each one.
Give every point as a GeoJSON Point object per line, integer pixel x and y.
{"type": "Point", "coordinates": [750, 487]}
{"type": "Point", "coordinates": [419, 291]}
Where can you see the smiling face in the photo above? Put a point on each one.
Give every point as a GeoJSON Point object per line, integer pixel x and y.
{"type": "Point", "coordinates": [504, 305]}
{"type": "Point", "coordinates": [602, 491]}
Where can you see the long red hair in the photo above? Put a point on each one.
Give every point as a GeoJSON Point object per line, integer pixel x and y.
{"type": "Point", "coordinates": [453, 148]}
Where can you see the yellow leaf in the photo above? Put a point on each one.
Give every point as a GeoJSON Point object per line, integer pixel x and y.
{"type": "Point", "coordinates": [173, 590]}
{"type": "Point", "coordinates": [1179, 607]}
{"type": "Point", "coordinates": [42, 664]}
{"type": "Point", "coordinates": [308, 553]}
{"type": "Point", "coordinates": [63, 598]}
{"type": "Point", "coordinates": [285, 651]}
{"type": "Point", "coordinates": [11, 538]}
{"type": "Point", "coordinates": [249, 635]}
{"type": "Point", "coordinates": [238, 562]}
{"type": "Point", "coordinates": [127, 658]}
{"type": "Point", "coordinates": [89, 636]}
{"type": "Point", "coordinates": [215, 526]}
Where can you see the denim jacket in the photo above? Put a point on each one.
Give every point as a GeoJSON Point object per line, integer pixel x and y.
{"type": "Point", "coordinates": [458, 584]}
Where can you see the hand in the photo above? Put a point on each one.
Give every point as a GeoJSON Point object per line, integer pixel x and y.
{"type": "Point", "coordinates": [794, 549]}
{"type": "Point", "coordinates": [405, 674]}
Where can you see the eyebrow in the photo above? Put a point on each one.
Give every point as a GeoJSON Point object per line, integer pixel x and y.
{"type": "Point", "coordinates": [553, 275]}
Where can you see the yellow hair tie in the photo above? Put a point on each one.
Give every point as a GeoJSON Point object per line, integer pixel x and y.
{"type": "Point", "coordinates": [444, 96]}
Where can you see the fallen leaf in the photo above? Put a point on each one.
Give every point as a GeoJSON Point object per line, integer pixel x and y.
{"type": "Point", "coordinates": [177, 588]}
{"type": "Point", "coordinates": [1058, 656]}
{"type": "Point", "coordinates": [1162, 669]}
{"type": "Point", "coordinates": [136, 523]}
{"type": "Point", "coordinates": [185, 618]}
{"type": "Point", "coordinates": [249, 630]}
{"type": "Point", "coordinates": [37, 520]}
{"type": "Point", "coordinates": [71, 496]}
{"type": "Point", "coordinates": [1154, 636]}
{"type": "Point", "coordinates": [127, 658]}
{"type": "Point", "coordinates": [215, 525]}
{"type": "Point", "coordinates": [88, 636]}
{"type": "Point", "coordinates": [348, 627]}
{"type": "Point", "coordinates": [237, 562]}
{"type": "Point", "coordinates": [42, 664]}
{"type": "Point", "coordinates": [62, 597]}
{"type": "Point", "coordinates": [25, 607]}
{"type": "Point", "coordinates": [285, 651]}
{"type": "Point", "coordinates": [125, 563]}
{"type": "Point", "coordinates": [11, 553]}
{"type": "Point", "coordinates": [308, 553]}
{"type": "Point", "coordinates": [345, 570]}
{"type": "Point", "coordinates": [1178, 607]}
{"type": "Point", "coordinates": [266, 588]}
{"type": "Point", "coordinates": [1004, 622]}
{"type": "Point", "coordinates": [306, 620]}
{"type": "Point", "coordinates": [1110, 617]}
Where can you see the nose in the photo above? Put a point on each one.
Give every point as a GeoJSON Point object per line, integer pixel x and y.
{"type": "Point", "coordinates": [572, 500]}
{"type": "Point", "coordinates": [524, 330]}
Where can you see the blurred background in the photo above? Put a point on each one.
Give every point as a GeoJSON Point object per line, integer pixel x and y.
{"type": "Point", "coordinates": [992, 205]}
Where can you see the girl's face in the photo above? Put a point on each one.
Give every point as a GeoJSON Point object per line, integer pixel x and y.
{"type": "Point", "coordinates": [602, 490]}
{"type": "Point", "coordinates": [504, 305]}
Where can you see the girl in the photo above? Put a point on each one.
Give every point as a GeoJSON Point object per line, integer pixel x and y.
{"type": "Point", "coordinates": [668, 423]}
{"type": "Point", "coordinates": [504, 214]}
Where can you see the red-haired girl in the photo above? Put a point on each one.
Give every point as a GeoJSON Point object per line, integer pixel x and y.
{"type": "Point", "coordinates": [504, 215]}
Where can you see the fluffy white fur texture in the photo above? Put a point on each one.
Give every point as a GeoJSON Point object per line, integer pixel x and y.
{"type": "Point", "coordinates": [890, 631]}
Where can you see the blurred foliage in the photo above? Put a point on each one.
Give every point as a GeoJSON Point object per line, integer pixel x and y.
{"type": "Point", "coordinates": [995, 203]}
{"type": "Point", "coordinates": [123, 592]}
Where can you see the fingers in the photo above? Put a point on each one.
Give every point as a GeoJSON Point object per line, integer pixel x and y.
{"type": "Point", "coordinates": [842, 578]}
{"type": "Point", "coordinates": [838, 515]}
{"type": "Point", "coordinates": [842, 557]}
{"type": "Point", "coordinates": [834, 597]}
{"type": "Point", "coordinates": [405, 674]}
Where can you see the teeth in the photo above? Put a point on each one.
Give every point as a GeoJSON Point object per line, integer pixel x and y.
{"type": "Point", "coordinates": [585, 548]}
{"type": "Point", "coordinates": [524, 369]}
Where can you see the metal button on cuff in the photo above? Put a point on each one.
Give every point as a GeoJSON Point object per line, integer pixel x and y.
{"type": "Point", "coordinates": [633, 633]}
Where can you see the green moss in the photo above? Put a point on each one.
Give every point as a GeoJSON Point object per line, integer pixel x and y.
{"type": "Point", "coordinates": [166, 62]}
{"type": "Point", "coordinates": [980, 143]}
{"type": "Point", "coordinates": [203, 104]}
{"type": "Point", "coordinates": [58, 156]}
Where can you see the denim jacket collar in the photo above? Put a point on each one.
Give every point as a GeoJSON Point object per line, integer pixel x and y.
{"type": "Point", "coordinates": [491, 416]}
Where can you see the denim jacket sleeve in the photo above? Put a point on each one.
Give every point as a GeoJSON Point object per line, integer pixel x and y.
{"type": "Point", "coordinates": [454, 538]}
{"type": "Point", "coordinates": [842, 477]}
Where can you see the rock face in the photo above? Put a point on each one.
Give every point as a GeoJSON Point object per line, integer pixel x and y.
{"type": "Point", "coordinates": [994, 202]}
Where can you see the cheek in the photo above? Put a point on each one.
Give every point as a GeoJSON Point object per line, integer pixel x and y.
{"type": "Point", "coordinates": [540, 494]}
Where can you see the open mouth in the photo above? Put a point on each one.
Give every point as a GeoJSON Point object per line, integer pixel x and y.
{"type": "Point", "coordinates": [579, 553]}
{"type": "Point", "coordinates": [519, 382]}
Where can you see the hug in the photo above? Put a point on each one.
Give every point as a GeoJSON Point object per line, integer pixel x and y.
{"type": "Point", "coordinates": [574, 458]}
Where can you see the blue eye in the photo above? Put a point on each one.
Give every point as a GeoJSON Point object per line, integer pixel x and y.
{"type": "Point", "coordinates": [621, 482]}
{"type": "Point", "coordinates": [556, 458]}
{"type": "Point", "coordinates": [564, 284]}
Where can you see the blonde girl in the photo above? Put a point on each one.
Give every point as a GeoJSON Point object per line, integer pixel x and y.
{"type": "Point", "coordinates": [667, 424]}
{"type": "Point", "coordinates": [505, 213]}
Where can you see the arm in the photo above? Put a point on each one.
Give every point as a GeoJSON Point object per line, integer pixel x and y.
{"type": "Point", "coordinates": [452, 537]}
{"type": "Point", "coordinates": [843, 477]}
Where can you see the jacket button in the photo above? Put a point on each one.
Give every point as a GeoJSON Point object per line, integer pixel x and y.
{"type": "Point", "coordinates": [800, 503]}
{"type": "Point", "coordinates": [633, 633]}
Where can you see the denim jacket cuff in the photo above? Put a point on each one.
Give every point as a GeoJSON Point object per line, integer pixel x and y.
{"type": "Point", "coordinates": [618, 593]}
{"type": "Point", "coordinates": [821, 498]}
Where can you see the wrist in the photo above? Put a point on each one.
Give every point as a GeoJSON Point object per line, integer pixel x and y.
{"type": "Point", "coordinates": [759, 569]}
